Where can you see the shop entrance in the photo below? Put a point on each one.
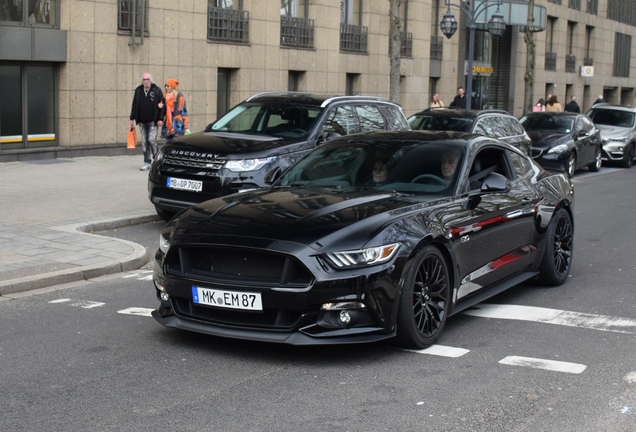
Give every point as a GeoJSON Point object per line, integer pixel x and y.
{"type": "Point", "coordinates": [480, 92]}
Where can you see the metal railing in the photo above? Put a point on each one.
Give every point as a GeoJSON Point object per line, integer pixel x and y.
{"type": "Point", "coordinates": [550, 61]}
{"type": "Point", "coordinates": [354, 38]}
{"type": "Point", "coordinates": [570, 63]}
{"type": "Point", "coordinates": [296, 32]}
{"type": "Point", "coordinates": [133, 11]}
{"type": "Point", "coordinates": [228, 25]}
{"type": "Point", "coordinates": [437, 47]}
{"type": "Point", "coordinates": [406, 50]}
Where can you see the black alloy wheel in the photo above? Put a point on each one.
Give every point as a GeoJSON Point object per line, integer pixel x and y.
{"type": "Point", "coordinates": [425, 300]}
{"type": "Point", "coordinates": [598, 161]}
{"type": "Point", "coordinates": [628, 156]}
{"type": "Point", "coordinates": [557, 259]}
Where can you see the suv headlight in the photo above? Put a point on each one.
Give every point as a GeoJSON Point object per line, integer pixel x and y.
{"type": "Point", "coordinates": [618, 139]}
{"type": "Point", "coordinates": [248, 164]}
{"type": "Point", "coordinates": [164, 242]}
{"type": "Point", "coordinates": [559, 149]}
{"type": "Point", "coordinates": [363, 257]}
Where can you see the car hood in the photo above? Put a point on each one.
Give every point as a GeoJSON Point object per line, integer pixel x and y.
{"type": "Point", "coordinates": [613, 131]}
{"type": "Point", "coordinates": [548, 139]}
{"type": "Point", "coordinates": [322, 218]}
{"type": "Point", "coordinates": [226, 144]}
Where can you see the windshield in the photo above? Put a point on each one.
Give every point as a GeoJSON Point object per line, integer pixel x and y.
{"type": "Point", "coordinates": [550, 123]}
{"type": "Point", "coordinates": [440, 123]}
{"type": "Point", "coordinates": [285, 121]}
{"type": "Point", "coordinates": [612, 117]}
{"type": "Point", "coordinates": [416, 167]}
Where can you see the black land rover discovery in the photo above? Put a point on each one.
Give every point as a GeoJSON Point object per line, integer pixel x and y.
{"type": "Point", "coordinates": [268, 131]}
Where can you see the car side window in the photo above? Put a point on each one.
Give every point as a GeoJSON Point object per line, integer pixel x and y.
{"type": "Point", "coordinates": [486, 126]}
{"type": "Point", "coordinates": [516, 127]}
{"type": "Point", "coordinates": [394, 118]}
{"type": "Point", "coordinates": [340, 121]}
{"type": "Point", "coordinates": [370, 118]}
{"type": "Point", "coordinates": [587, 124]}
{"type": "Point", "coordinates": [580, 126]}
{"type": "Point", "coordinates": [521, 165]}
{"type": "Point", "coordinates": [487, 161]}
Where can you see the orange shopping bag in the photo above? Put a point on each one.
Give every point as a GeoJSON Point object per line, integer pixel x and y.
{"type": "Point", "coordinates": [132, 138]}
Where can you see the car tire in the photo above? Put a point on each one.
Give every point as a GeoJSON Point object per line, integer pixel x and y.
{"type": "Point", "coordinates": [628, 157]}
{"type": "Point", "coordinates": [557, 258]}
{"type": "Point", "coordinates": [598, 161]}
{"type": "Point", "coordinates": [164, 214]}
{"type": "Point", "coordinates": [425, 300]}
{"type": "Point", "coordinates": [570, 165]}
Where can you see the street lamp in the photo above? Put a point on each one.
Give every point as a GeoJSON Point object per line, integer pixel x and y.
{"type": "Point", "coordinates": [496, 27]}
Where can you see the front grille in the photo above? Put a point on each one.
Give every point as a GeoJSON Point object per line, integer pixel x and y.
{"type": "Point", "coordinates": [237, 265]}
{"type": "Point", "coordinates": [193, 161]}
{"type": "Point", "coordinates": [536, 153]}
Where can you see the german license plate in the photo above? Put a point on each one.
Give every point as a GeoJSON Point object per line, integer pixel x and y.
{"type": "Point", "coordinates": [183, 184]}
{"type": "Point", "coordinates": [227, 299]}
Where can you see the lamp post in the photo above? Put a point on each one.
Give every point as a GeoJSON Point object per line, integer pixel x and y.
{"type": "Point", "coordinates": [496, 27]}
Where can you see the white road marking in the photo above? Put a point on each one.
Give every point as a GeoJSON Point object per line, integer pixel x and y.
{"type": "Point", "coordinates": [85, 304]}
{"type": "Point", "coordinates": [550, 365]}
{"type": "Point", "coordinates": [442, 351]}
{"type": "Point", "coordinates": [554, 316]}
{"type": "Point", "coordinates": [64, 300]}
{"type": "Point", "coordinates": [630, 377]}
{"type": "Point", "coordinates": [149, 277]}
{"type": "Point", "coordinates": [136, 311]}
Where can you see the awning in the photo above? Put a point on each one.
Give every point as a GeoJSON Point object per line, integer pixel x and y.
{"type": "Point", "coordinates": [515, 12]}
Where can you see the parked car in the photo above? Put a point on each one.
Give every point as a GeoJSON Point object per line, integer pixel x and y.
{"type": "Point", "coordinates": [491, 123]}
{"type": "Point", "coordinates": [369, 237]}
{"type": "Point", "coordinates": [564, 140]}
{"type": "Point", "coordinates": [267, 131]}
{"type": "Point", "coordinates": [618, 131]}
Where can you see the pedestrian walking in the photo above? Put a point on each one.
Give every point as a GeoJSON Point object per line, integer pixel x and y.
{"type": "Point", "coordinates": [540, 106]}
{"type": "Point", "coordinates": [572, 106]}
{"type": "Point", "coordinates": [553, 105]}
{"type": "Point", "coordinates": [147, 111]}
{"type": "Point", "coordinates": [460, 99]}
{"type": "Point", "coordinates": [436, 102]}
{"type": "Point", "coordinates": [177, 122]}
{"type": "Point", "coordinates": [599, 100]}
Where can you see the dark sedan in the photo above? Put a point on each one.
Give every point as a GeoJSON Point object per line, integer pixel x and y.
{"type": "Point", "coordinates": [567, 141]}
{"type": "Point", "coordinates": [370, 237]}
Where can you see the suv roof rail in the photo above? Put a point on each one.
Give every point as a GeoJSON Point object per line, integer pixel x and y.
{"type": "Point", "coordinates": [356, 97]}
{"type": "Point", "coordinates": [275, 92]}
{"type": "Point", "coordinates": [477, 112]}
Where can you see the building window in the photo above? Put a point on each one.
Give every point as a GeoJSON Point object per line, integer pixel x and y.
{"type": "Point", "coordinates": [550, 55]}
{"type": "Point", "coordinates": [406, 49]}
{"type": "Point", "coordinates": [223, 91]}
{"type": "Point", "coordinates": [295, 80]}
{"type": "Point", "coordinates": [588, 60]}
{"type": "Point", "coordinates": [622, 51]}
{"type": "Point", "coordinates": [554, 1]}
{"type": "Point", "coordinates": [353, 84]}
{"type": "Point", "coordinates": [40, 13]}
{"type": "Point", "coordinates": [228, 22]}
{"type": "Point", "coordinates": [592, 7]}
{"type": "Point", "coordinates": [481, 49]}
{"type": "Point", "coordinates": [570, 59]}
{"type": "Point", "coordinates": [296, 30]}
{"type": "Point", "coordinates": [29, 120]}
{"type": "Point", "coordinates": [353, 35]}
{"type": "Point", "coordinates": [133, 13]}
{"type": "Point", "coordinates": [575, 4]}
{"type": "Point", "coordinates": [622, 11]}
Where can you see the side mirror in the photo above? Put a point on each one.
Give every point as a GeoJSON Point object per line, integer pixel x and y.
{"type": "Point", "coordinates": [495, 182]}
{"type": "Point", "coordinates": [272, 176]}
{"type": "Point", "coordinates": [583, 133]}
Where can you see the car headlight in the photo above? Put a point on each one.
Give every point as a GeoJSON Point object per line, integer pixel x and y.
{"type": "Point", "coordinates": [159, 156]}
{"type": "Point", "coordinates": [164, 242]}
{"type": "Point", "coordinates": [559, 149]}
{"type": "Point", "coordinates": [618, 139]}
{"type": "Point", "coordinates": [248, 164]}
{"type": "Point", "coordinates": [363, 257]}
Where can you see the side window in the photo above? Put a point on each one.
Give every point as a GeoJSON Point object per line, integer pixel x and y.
{"type": "Point", "coordinates": [587, 124]}
{"type": "Point", "coordinates": [340, 121]}
{"type": "Point", "coordinates": [487, 161]}
{"type": "Point", "coordinates": [487, 127]}
{"type": "Point", "coordinates": [394, 117]}
{"type": "Point", "coordinates": [521, 164]}
{"type": "Point", "coordinates": [516, 127]}
{"type": "Point", "coordinates": [370, 118]}
{"type": "Point", "coordinates": [507, 128]}
{"type": "Point", "coordinates": [579, 125]}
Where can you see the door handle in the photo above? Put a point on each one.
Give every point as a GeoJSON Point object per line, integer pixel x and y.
{"type": "Point", "coordinates": [526, 201]}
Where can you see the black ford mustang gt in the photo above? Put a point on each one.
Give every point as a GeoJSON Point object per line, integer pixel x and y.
{"type": "Point", "coordinates": [372, 236]}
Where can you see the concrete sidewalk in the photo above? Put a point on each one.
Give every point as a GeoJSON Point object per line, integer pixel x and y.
{"type": "Point", "coordinates": [48, 209]}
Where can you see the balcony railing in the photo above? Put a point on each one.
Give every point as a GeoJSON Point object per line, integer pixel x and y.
{"type": "Point", "coordinates": [296, 32]}
{"type": "Point", "coordinates": [588, 61]}
{"type": "Point", "coordinates": [437, 47]}
{"type": "Point", "coordinates": [407, 44]}
{"type": "Point", "coordinates": [550, 61]}
{"type": "Point", "coordinates": [570, 63]}
{"type": "Point", "coordinates": [228, 25]}
{"type": "Point", "coordinates": [353, 38]}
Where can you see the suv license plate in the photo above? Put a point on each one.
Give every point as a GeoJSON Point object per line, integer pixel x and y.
{"type": "Point", "coordinates": [227, 299]}
{"type": "Point", "coordinates": [183, 184]}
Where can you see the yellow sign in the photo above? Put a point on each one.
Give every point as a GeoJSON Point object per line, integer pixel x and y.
{"type": "Point", "coordinates": [587, 71]}
{"type": "Point", "coordinates": [482, 69]}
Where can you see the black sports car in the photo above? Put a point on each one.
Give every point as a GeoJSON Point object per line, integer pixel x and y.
{"type": "Point", "coordinates": [567, 140]}
{"type": "Point", "coordinates": [369, 237]}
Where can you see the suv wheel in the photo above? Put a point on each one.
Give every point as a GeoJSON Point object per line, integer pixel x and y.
{"type": "Point", "coordinates": [628, 157]}
{"type": "Point", "coordinates": [596, 165]}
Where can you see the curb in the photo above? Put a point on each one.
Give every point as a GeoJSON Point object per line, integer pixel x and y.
{"type": "Point", "coordinates": [135, 260]}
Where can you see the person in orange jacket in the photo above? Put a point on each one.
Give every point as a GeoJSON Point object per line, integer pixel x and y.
{"type": "Point", "coordinates": [177, 122]}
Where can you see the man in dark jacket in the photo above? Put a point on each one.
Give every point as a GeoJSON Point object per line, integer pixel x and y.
{"type": "Point", "coordinates": [572, 106]}
{"type": "Point", "coordinates": [148, 110]}
{"type": "Point", "coordinates": [599, 100]}
{"type": "Point", "coordinates": [460, 99]}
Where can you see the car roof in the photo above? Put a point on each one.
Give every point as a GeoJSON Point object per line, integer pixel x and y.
{"type": "Point", "coordinates": [614, 107]}
{"type": "Point", "coordinates": [465, 139]}
{"type": "Point", "coordinates": [457, 112]}
{"type": "Point", "coordinates": [554, 113]}
{"type": "Point", "coordinates": [307, 98]}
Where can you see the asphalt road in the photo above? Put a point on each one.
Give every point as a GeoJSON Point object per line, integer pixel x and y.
{"type": "Point", "coordinates": [78, 358]}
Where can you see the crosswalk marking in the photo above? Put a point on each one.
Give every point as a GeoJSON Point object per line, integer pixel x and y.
{"type": "Point", "coordinates": [136, 311]}
{"type": "Point", "coordinates": [554, 316]}
{"type": "Point", "coordinates": [442, 351]}
{"type": "Point", "coordinates": [550, 365]}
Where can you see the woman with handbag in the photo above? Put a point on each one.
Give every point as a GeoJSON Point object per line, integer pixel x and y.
{"type": "Point", "coordinates": [177, 122]}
